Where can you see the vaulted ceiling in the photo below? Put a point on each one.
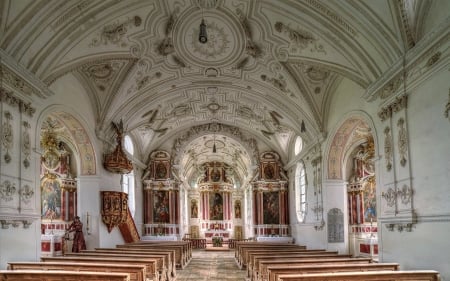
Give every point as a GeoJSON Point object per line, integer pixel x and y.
{"type": "Point", "coordinates": [267, 67]}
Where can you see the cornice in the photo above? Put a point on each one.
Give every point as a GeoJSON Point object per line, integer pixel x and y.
{"type": "Point", "coordinates": [11, 67]}
{"type": "Point", "coordinates": [422, 51]}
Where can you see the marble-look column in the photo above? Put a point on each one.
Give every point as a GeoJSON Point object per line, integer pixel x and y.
{"type": "Point", "coordinates": [148, 208]}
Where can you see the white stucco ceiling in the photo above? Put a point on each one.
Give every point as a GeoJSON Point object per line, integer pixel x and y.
{"type": "Point", "coordinates": [267, 66]}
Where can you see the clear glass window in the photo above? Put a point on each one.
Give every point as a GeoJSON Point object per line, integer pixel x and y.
{"type": "Point", "coordinates": [300, 191]}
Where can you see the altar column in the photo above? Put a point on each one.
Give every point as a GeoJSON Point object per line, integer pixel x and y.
{"type": "Point", "coordinates": [205, 205]}
{"type": "Point", "coordinates": [282, 207]}
{"type": "Point", "coordinates": [148, 207]}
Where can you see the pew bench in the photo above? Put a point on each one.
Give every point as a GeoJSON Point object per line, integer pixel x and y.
{"type": "Point", "coordinates": [183, 252]}
{"type": "Point", "coordinates": [151, 265]}
{"type": "Point", "coordinates": [257, 259]}
{"type": "Point", "coordinates": [164, 261]}
{"type": "Point", "coordinates": [58, 275]}
{"type": "Point", "coordinates": [401, 275]}
{"type": "Point", "coordinates": [261, 265]}
{"type": "Point", "coordinates": [171, 253]}
{"type": "Point", "coordinates": [186, 246]}
{"type": "Point", "coordinates": [136, 272]}
{"type": "Point", "coordinates": [241, 250]}
{"type": "Point", "coordinates": [257, 255]}
{"type": "Point", "coordinates": [272, 271]}
{"type": "Point", "coordinates": [162, 265]}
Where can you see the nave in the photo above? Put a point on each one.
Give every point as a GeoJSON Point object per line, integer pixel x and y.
{"type": "Point", "coordinates": [211, 265]}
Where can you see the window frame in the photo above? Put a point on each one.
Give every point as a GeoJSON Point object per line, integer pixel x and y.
{"type": "Point", "coordinates": [300, 191]}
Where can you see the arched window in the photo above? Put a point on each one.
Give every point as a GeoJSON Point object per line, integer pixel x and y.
{"type": "Point", "coordinates": [128, 179]}
{"type": "Point", "coordinates": [300, 191]}
{"type": "Point", "coordinates": [298, 146]}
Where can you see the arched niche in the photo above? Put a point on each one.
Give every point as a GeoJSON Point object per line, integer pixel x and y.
{"type": "Point", "coordinates": [73, 133]}
{"type": "Point", "coordinates": [354, 129]}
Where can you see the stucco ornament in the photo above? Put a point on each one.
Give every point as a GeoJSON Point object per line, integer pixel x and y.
{"type": "Point", "coordinates": [7, 136]}
{"type": "Point", "coordinates": [7, 190]}
{"type": "Point", "coordinates": [388, 148]}
{"type": "Point", "coordinates": [402, 141]}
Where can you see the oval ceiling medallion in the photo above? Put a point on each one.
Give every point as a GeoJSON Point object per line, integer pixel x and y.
{"type": "Point", "coordinates": [225, 42]}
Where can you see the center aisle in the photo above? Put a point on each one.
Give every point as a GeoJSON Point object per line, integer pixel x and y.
{"type": "Point", "coordinates": [211, 266]}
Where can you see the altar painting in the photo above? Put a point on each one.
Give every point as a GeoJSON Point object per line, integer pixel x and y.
{"type": "Point", "coordinates": [216, 209]}
{"type": "Point", "coordinates": [271, 207]}
{"type": "Point", "coordinates": [51, 198]}
{"type": "Point", "coordinates": [161, 207]}
{"type": "Point", "coordinates": [370, 202]}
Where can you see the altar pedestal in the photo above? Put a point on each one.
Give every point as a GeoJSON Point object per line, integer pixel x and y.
{"type": "Point", "coordinates": [51, 245]}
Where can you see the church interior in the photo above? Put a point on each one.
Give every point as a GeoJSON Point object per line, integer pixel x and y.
{"type": "Point", "coordinates": [223, 124]}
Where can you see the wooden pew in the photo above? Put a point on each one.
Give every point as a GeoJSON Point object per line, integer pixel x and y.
{"type": "Point", "coordinates": [273, 270]}
{"type": "Point", "coordinates": [182, 252]}
{"type": "Point", "coordinates": [187, 246]}
{"type": "Point", "coordinates": [251, 254]}
{"type": "Point", "coordinates": [171, 253]}
{"type": "Point", "coordinates": [261, 266]}
{"type": "Point", "coordinates": [254, 268]}
{"type": "Point", "coordinates": [242, 249]}
{"type": "Point", "coordinates": [58, 275]}
{"type": "Point", "coordinates": [402, 275]}
{"type": "Point", "coordinates": [162, 260]}
{"type": "Point", "coordinates": [151, 264]}
{"type": "Point", "coordinates": [136, 272]}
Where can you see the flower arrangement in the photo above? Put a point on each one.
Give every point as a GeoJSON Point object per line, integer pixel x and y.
{"type": "Point", "coordinates": [217, 241]}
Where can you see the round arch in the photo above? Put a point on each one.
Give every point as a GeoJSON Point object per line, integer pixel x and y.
{"type": "Point", "coordinates": [353, 129]}
{"type": "Point", "coordinates": [75, 133]}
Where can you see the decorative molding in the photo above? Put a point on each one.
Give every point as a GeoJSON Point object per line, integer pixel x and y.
{"type": "Point", "coordinates": [402, 141]}
{"type": "Point", "coordinates": [393, 194]}
{"type": "Point", "coordinates": [71, 13]}
{"type": "Point", "coordinates": [398, 104]}
{"type": "Point", "coordinates": [251, 48]}
{"type": "Point", "coordinates": [388, 148]}
{"type": "Point", "coordinates": [166, 47]}
{"type": "Point", "coordinates": [15, 222]}
{"type": "Point", "coordinates": [434, 58]}
{"type": "Point", "coordinates": [26, 193]}
{"type": "Point", "coordinates": [7, 136]}
{"type": "Point", "coordinates": [390, 196]}
{"type": "Point", "coordinates": [10, 99]}
{"type": "Point", "coordinates": [7, 190]}
{"type": "Point", "coordinates": [279, 83]}
{"type": "Point", "coordinates": [233, 132]}
{"type": "Point", "coordinates": [329, 14]}
{"type": "Point", "coordinates": [26, 144]}
{"type": "Point", "coordinates": [391, 88]}
{"type": "Point", "coordinates": [408, 28]}
{"type": "Point", "coordinates": [17, 83]}
{"type": "Point", "coordinates": [400, 227]}
{"type": "Point", "coordinates": [114, 33]}
{"type": "Point", "coordinates": [300, 38]}
{"type": "Point", "coordinates": [405, 194]}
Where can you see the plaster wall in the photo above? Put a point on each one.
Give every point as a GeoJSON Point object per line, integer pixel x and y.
{"type": "Point", "coordinates": [19, 244]}
{"type": "Point", "coordinates": [427, 245]}
{"type": "Point", "coordinates": [71, 94]}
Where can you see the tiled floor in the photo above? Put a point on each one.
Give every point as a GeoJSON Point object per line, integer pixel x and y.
{"type": "Point", "coordinates": [211, 266]}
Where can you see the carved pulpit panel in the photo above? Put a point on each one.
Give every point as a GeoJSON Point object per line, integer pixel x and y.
{"type": "Point", "coordinates": [114, 208]}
